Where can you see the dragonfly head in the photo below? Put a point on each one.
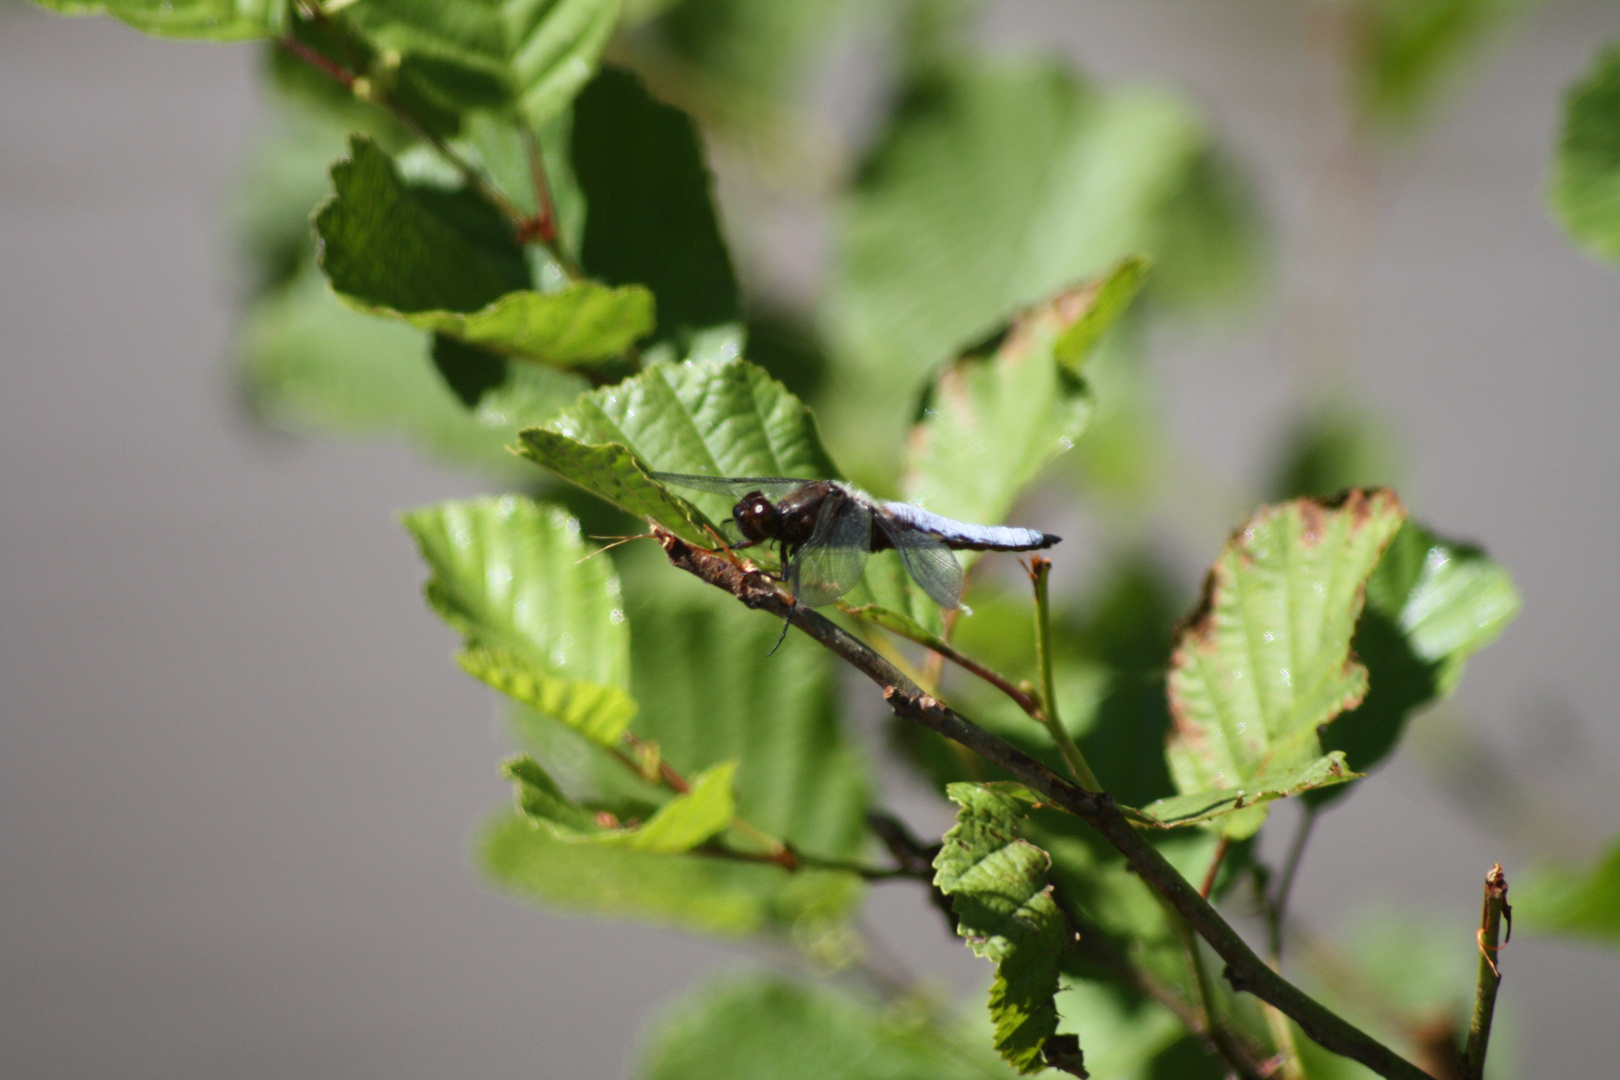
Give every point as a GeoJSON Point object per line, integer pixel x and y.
{"type": "Point", "coordinates": [756, 517]}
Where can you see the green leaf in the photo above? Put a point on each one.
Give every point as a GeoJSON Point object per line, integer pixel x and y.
{"type": "Point", "coordinates": [543, 800]}
{"type": "Point", "coordinates": [442, 262]}
{"type": "Point", "coordinates": [678, 826]}
{"type": "Point", "coordinates": [705, 660]}
{"type": "Point", "coordinates": [651, 220]}
{"type": "Point", "coordinates": [1004, 908]}
{"type": "Point", "coordinates": [1265, 661]}
{"type": "Point", "coordinates": [214, 20]}
{"type": "Point", "coordinates": [1431, 604]}
{"type": "Point", "coordinates": [700, 895]}
{"type": "Point", "coordinates": [1406, 48]}
{"type": "Point", "coordinates": [991, 424]}
{"type": "Point", "coordinates": [1202, 806]}
{"type": "Point", "coordinates": [582, 324]}
{"type": "Point", "coordinates": [1586, 174]}
{"type": "Point", "coordinates": [722, 419]}
{"type": "Point", "coordinates": [597, 711]}
{"type": "Point", "coordinates": [769, 1027]}
{"type": "Point", "coordinates": [713, 695]}
{"type": "Point", "coordinates": [1582, 905]}
{"type": "Point", "coordinates": [541, 51]}
{"type": "Point", "coordinates": [541, 619]}
{"type": "Point", "coordinates": [390, 245]}
{"type": "Point", "coordinates": [312, 363]}
{"type": "Point", "coordinates": [997, 185]}
{"type": "Point", "coordinates": [614, 473]}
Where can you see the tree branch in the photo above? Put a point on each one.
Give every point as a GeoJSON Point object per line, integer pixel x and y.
{"type": "Point", "coordinates": [1245, 970]}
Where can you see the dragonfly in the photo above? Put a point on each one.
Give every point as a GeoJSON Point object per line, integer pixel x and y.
{"type": "Point", "coordinates": [825, 529]}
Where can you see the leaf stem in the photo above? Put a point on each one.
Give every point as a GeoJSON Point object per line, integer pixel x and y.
{"type": "Point", "coordinates": [1244, 969]}
{"type": "Point", "coordinates": [540, 228]}
{"type": "Point", "coordinates": [1040, 569]}
{"type": "Point", "coordinates": [944, 651]}
{"type": "Point", "coordinates": [1496, 909]}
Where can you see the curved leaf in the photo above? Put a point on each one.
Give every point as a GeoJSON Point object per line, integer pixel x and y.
{"type": "Point", "coordinates": [991, 424]}
{"type": "Point", "coordinates": [1202, 806]}
{"type": "Point", "coordinates": [1265, 661]}
{"type": "Point", "coordinates": [678, 826]}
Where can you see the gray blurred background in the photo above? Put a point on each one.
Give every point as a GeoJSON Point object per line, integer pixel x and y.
{"type": "Point", "coordinates": [238, 770]}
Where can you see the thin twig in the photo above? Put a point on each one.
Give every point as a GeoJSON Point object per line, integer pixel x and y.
{"type": "Point", "coordinates": [1214, 870]}
{"type": "Point", "coordinates": [941, 651]}
{"type": "Point", "coordinates": [1277, 908]}
{"type": "Point", "coordinates": [1496, 909]}
{"type": "Point", "coordinates": [1245, 970]}
{"type": "Point", "coordinates": [1039, 570]}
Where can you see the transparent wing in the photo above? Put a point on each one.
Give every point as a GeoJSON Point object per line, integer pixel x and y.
{"type": "Point", "coordinates": [772, 487]}
{"type": "Point", "coordinates": [928, 560]}
{"type": "Point", "coordinates": [833, 559]}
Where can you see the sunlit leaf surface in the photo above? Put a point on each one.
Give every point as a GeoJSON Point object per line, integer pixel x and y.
{"type": "Point", "coordinates": [1265, 661]}
{"type": "Point", "coordinates": [541, 621]}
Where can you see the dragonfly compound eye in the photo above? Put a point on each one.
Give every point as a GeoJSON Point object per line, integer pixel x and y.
{"type": "Point", "coordinates": [756, 516]}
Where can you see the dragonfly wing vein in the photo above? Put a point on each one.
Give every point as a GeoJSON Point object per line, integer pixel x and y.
{"type": "Point", "coordinates": [833, 559]}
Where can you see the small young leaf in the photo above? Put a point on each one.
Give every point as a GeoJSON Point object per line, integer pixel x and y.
{"type": "Point", "coordinates": [651, 220]}
{"type": "Point", "coordinates": [678, 826]}
{"type": "Point", "coordinates": [539, 617]}
{"type": "Point", "coordinates": [713, 695]}
{"type": "Point", "coordinates": [212, 20]}
{"type": "Point", "coordinates": [1586, 175]}
{"type": "Point", "coordinates": [1581, 905]}
{"type": "Point", "coordinates": [997, 884]}
{"type": "Point", "coordinates": [1178, 810]}
{"type": "Point", "coordinates": [541, 51]}
{"type": "Point", "coordinates": [991, 424]}
{"type": "Point", "coordinates": [1265, 661]}
{"type": "Point", "coordinates": [543, 800]}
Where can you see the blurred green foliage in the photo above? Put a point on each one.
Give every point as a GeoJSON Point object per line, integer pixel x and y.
{"type": "Point", "coordinates": [516, 246]}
